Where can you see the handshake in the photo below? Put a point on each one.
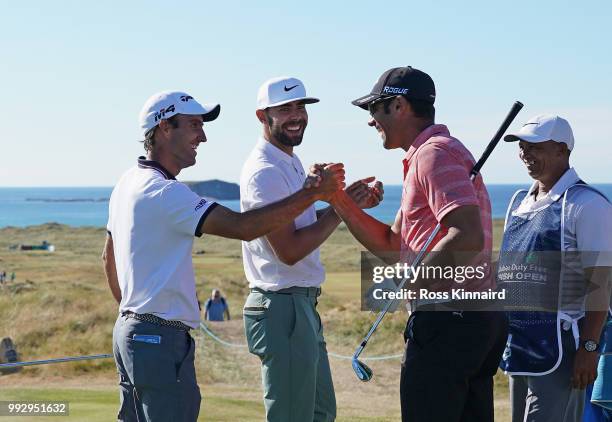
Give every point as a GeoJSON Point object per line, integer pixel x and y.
{"type": "Point", "coordinates": [327, 179]}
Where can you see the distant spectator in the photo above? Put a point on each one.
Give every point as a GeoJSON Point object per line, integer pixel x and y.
{"type": "Point", "coordinates": [215, 307]}
{"type": "Point", "coordinates": [13, 276]}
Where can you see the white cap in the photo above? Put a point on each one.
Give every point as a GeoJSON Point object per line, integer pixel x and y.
{"type": "Point", "coordinates": [542, 128]}
{"type": "Point", "coordinates": [282, 90]}
{"type": "Point", "coordinates": [166, 104]}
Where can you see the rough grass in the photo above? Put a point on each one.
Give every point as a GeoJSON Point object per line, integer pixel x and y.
{"type": "Point", "coordinates": [60, 305]}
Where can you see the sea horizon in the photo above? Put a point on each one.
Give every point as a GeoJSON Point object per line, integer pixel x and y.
{"type": "Point", "coordinates": [86, 206]}
{"type": "Point", "coordinates": [236, 183]}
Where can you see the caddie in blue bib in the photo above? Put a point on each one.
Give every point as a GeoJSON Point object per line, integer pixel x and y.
{"type": "Point", "coordinates": [531, 270]}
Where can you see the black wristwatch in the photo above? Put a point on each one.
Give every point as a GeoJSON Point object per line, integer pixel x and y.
{"type": "Point", "coordinates": [590, 345]}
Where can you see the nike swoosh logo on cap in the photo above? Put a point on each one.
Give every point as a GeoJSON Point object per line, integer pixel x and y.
{"type": "Point", "coordinates": [290, 88]}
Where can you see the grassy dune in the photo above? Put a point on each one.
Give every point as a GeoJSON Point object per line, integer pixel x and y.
{"type": "Point", "coordinates": [59, 305]}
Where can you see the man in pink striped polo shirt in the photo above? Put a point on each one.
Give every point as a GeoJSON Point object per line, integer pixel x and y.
{"type": "Point", "coordinates": [451, 356]}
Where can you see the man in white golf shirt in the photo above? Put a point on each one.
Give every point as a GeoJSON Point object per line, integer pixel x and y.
{"type": "Point", "coordinates": [147, 257]}
{"type": "Point", "coordinates": [284, 271]}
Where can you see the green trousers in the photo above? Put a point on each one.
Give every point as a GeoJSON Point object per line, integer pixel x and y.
{"type": "Point", "coordinates": [285, 331]}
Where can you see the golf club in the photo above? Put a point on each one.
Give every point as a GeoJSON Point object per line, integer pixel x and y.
{"type": "Point", "coordinates": [363, 372]}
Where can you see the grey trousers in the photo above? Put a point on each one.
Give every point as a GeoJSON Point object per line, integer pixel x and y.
{"type": "Point", "coordinates": [548, 398]}
{"type": "Point", "coordinates": [157, 382]}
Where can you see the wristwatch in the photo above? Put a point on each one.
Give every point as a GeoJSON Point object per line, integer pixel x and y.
{"type": "Point", "coordinates": [590, 345]}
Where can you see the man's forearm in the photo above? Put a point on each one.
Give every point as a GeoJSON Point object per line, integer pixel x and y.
{"type": "Point", "coordinates": [375, 236]}
{"type": "Point", "coordinates": [113, 284]}
{"type": "Point", "coordinates": [306, 239]}
{"type": "Point", "coordinates": [592, 325]}
{"type": "Point", "coordinates": [597, 301]}
{"type": "Point", "coordinates": [255, 223]}
{"type": "Point", "coordinates": [329, 219]}
{"type": "Point", "coordinates": [110, 269]}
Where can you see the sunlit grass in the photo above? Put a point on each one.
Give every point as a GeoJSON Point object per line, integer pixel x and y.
{"type": "Point", "coordinates": [60, 305]}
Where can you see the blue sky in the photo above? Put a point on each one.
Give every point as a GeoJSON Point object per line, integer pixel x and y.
{"type": "Point", "coordinates": [74, 76]}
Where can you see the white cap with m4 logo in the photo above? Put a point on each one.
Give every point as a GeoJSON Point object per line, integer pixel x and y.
{"type": "Point", "coordinates": [166, 104]}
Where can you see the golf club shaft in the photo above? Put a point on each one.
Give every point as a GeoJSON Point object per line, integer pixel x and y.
{"type": "Point", "coordinates": [58, 360]}
{"type": "Point", "coordinates": [516, 107]}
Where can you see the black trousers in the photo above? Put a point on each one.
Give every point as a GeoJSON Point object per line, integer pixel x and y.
{"type": "Point", "coordinates": [449, 363]}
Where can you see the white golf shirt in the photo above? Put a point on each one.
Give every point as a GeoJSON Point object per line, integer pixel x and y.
{"type": "Point", "coordinates": [152, 220]}
{"type": "Point", "coordinates": [269, 175]}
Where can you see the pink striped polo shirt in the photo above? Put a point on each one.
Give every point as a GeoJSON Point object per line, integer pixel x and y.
{"type": "Point", "coordinates": [437, 181]}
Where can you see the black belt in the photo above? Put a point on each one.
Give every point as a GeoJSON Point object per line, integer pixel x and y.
{"type": "Point", "coordinates": [157, 320]}
{"type": "Point", "coordinates": [306, 291]}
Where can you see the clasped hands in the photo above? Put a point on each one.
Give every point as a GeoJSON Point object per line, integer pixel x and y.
{"type": "Point", "coordinates": [325, 175]}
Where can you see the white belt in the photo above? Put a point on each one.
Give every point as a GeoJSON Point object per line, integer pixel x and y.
{"type": "Point", "coordinates": [565, 325]}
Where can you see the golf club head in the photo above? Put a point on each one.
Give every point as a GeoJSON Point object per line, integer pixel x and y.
{"type": "Point", "coordinates": [363, 371]}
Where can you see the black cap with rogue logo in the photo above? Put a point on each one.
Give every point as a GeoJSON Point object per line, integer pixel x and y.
{"type": "Point", "coordinates": [407, 81]}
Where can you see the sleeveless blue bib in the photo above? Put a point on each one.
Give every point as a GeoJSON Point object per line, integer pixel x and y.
{"type": "Point", "coordinates": [530, 269]}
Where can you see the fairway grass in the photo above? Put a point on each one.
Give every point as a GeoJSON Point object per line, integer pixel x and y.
{"type": "Point", "coordinates": [59, 305]}
{"type": "Point", "coordinates": [219, 404]}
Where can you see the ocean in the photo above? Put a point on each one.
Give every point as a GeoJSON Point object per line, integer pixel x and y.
{"type": "Point", "coordinates": [77, 207]}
